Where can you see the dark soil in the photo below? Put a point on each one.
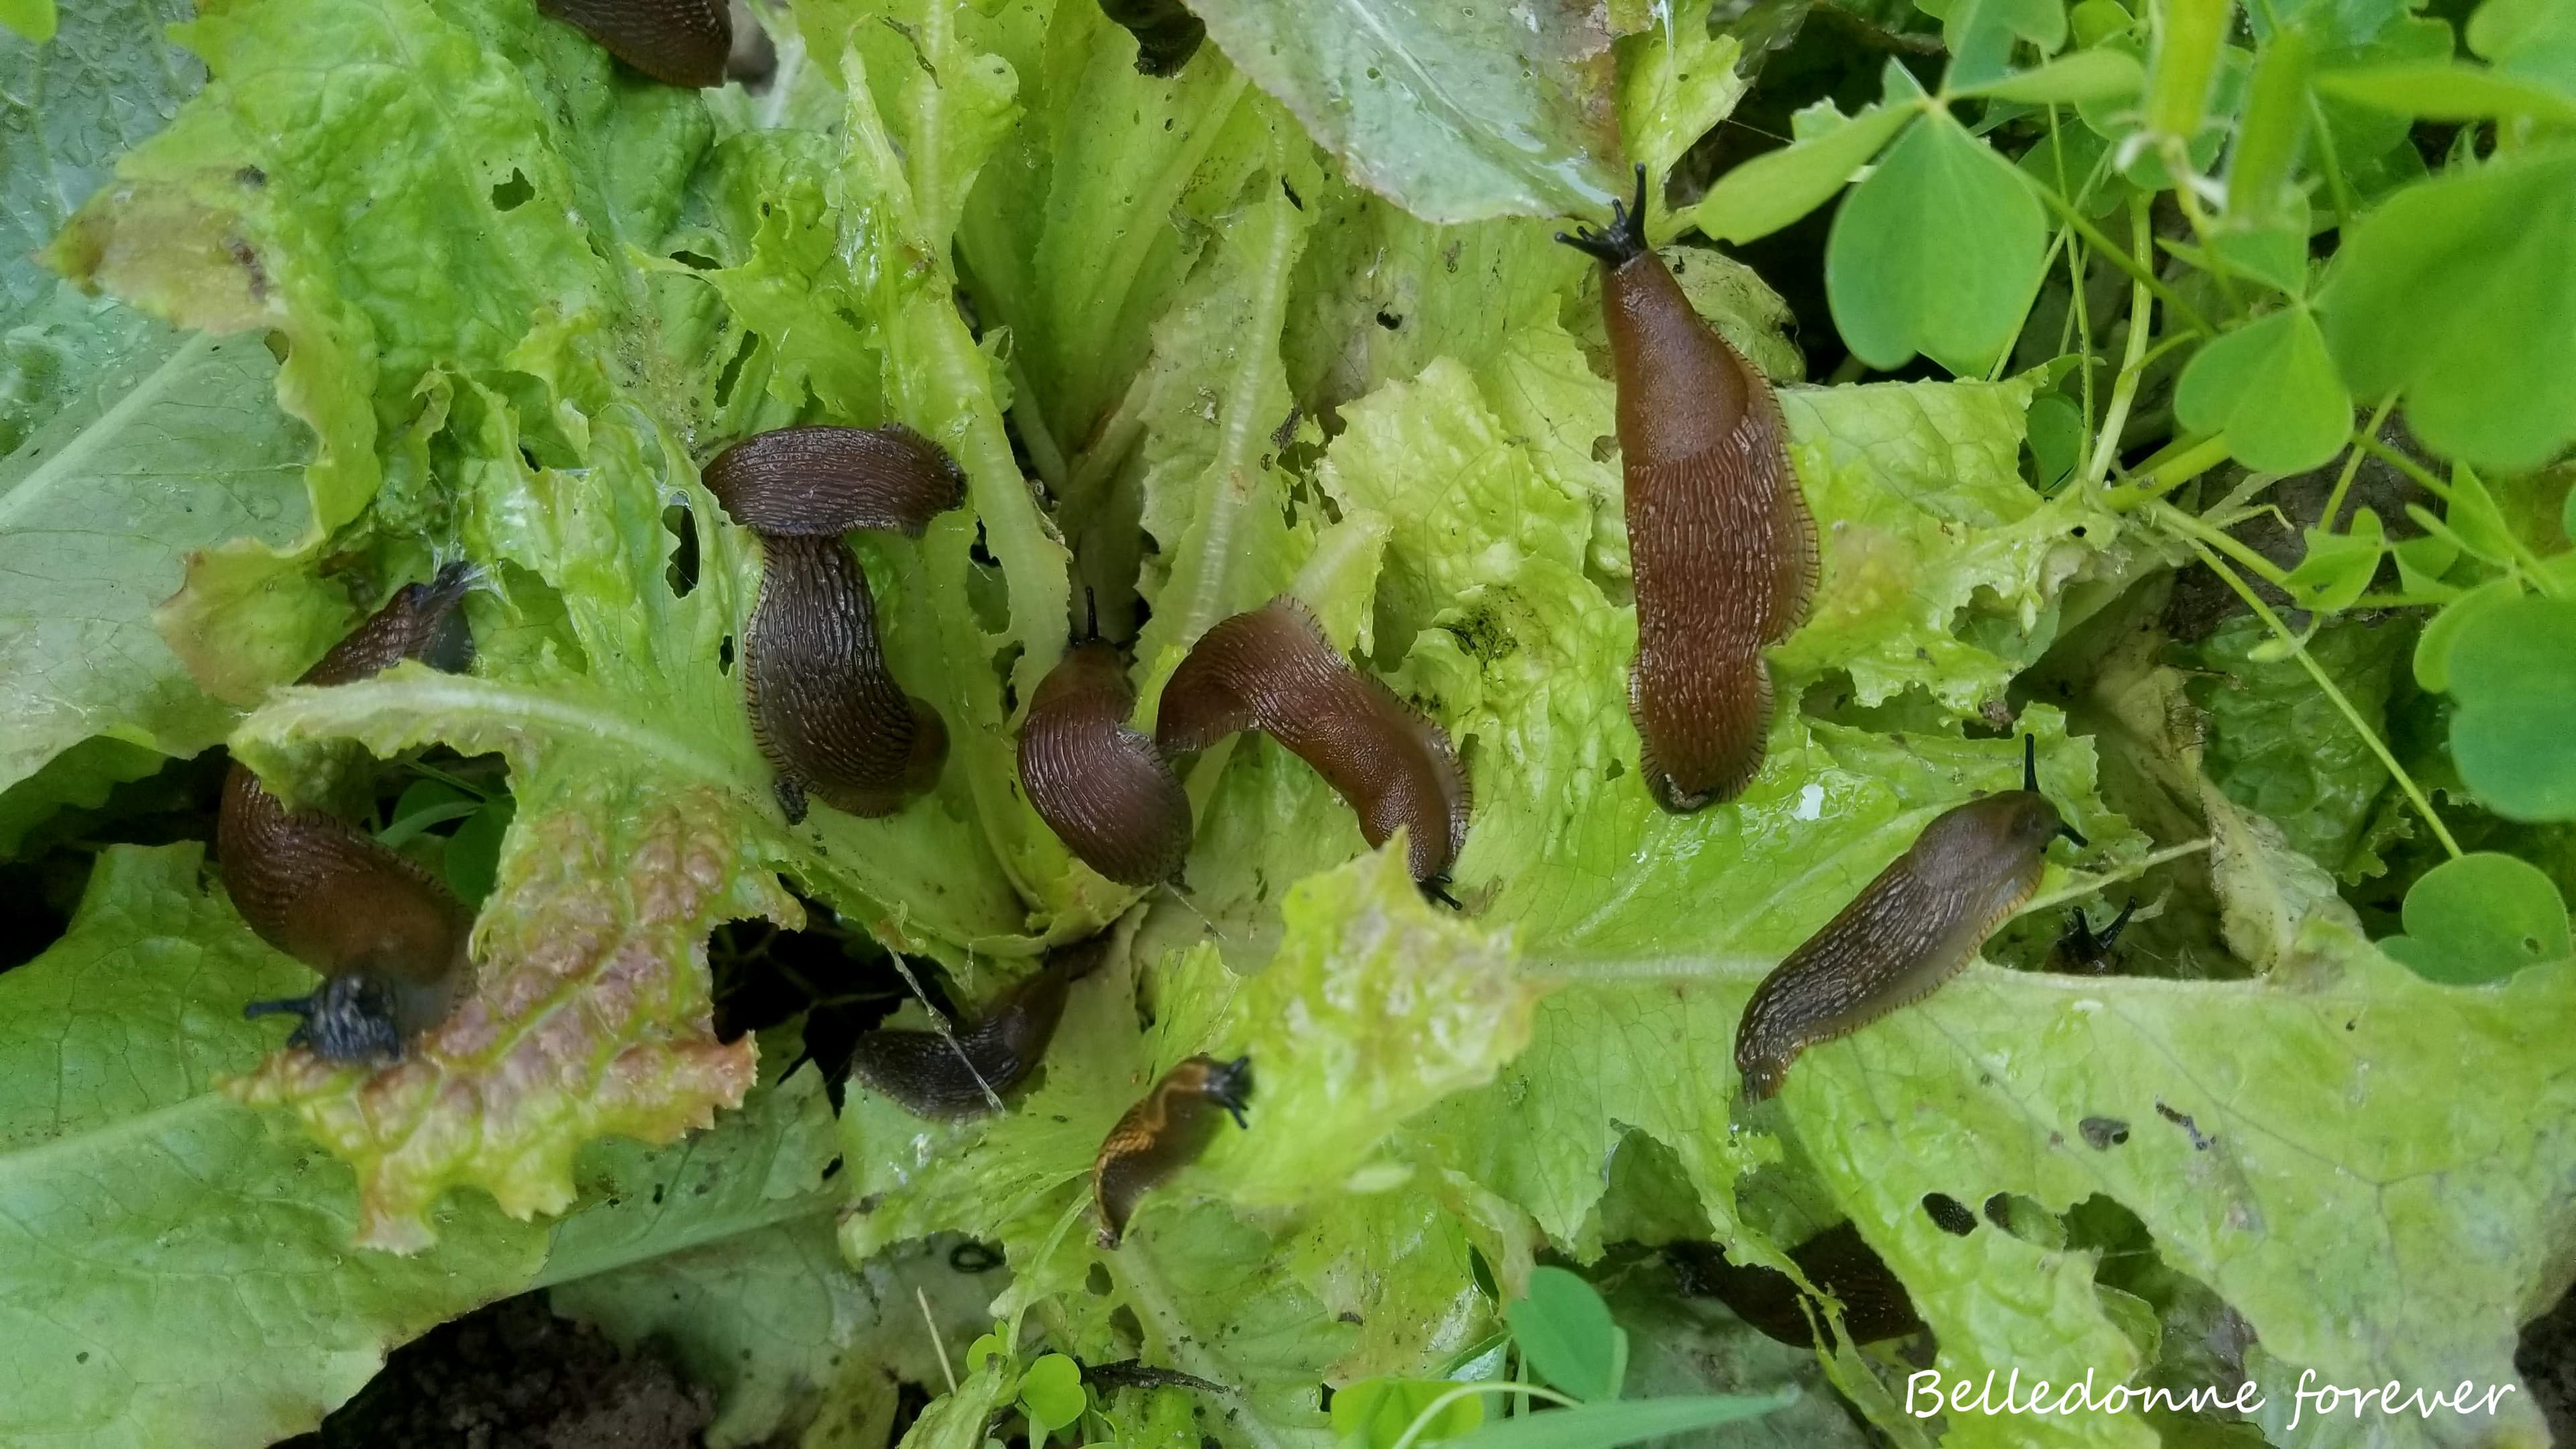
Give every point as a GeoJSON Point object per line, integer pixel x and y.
{"type": "Point", "coordinates": [514, 1376]}
{"type": "Point", "coordinates": [2546, 1359]}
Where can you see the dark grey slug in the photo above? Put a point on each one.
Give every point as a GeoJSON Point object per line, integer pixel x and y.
{"type": "Point", "coordinates": [825, 709]}
{"type": "Point", "coordinates": [1907, 932]}
{"type": "Point", "coordinates": [961, 1073]}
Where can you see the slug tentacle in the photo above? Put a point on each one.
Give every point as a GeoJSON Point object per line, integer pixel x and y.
{"type": "Point", "coordinates": [388, 938]}
{"type": "Point", "coordinates": [1907, 932]}
{"type": "Point", "coordinates": [1273, 670]}
{"type": "Point", "coordinates": [1106, 789]}
{"type": "Point", "coordinates": [1624, 238]}
{"type": "Point", "coordinates": [825, 709]}
{"type": "Point", "coordinates": [677, 42]}
{"type": "Point", "coordinates": [2086, 951]}
{"type": "Point", "coordinates": [1164, 1133]}
{"type": "Point", "coordinates": [1721, 544]}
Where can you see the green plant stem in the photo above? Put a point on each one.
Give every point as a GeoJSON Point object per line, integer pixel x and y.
{"type": "Point", "coordinates": [1433, 1409]}
{"type": "Point", "coordinates": [2193, 530]}
{"type": "Point", "coordinates": [2352, 464]}
{"type": "Point", "coordinates": [2086, 883]}
{"type": "Point", "coordinates": [2124, 390]}
{"type": "Point", "coordinates": [2298, 648]}
{"type": "Point", "coordinates": [2344, 203]}
{"type": "Point", "coordinates": [2141, 272]}
{"type": "Point", "coordinates": [2193, 460]}
{"type": "Point", "coordinates": [2177, 159]}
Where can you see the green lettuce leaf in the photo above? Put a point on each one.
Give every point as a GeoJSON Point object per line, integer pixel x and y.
{"type": "Point", "coordinates": [123, 444]}
{"type": "Point", "coordinates": [2277, 745]}
{"type": "Point", "coordinates": [138, 1195]}
{"type": "Point", "coordinates": [724, 1252]}
{"type": "Point", "coordinates": [1456, 113]}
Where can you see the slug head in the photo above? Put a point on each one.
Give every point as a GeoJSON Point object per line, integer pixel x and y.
{"type": "Point", "coordinates": [348, 1018]}
{"type": "Point", "coordinates": [421, 621]}
{"type": "Point", "coordinates": [1624, 240]}
{"type": "Point", "coordinates": [1229, 1085]}
{"type": "Point", "coordinates": [2086, 951]}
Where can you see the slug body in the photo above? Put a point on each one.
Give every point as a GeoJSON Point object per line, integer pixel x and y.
{"type": "Point", "coordinates": [963, 1073]}
{"type": "Point", "coordinates": [1164, 1133]}
{"type": "Point", "coordinates": [1272, 669]}
{"type": "Point", "coordinates": [825, 710]}
{"type": "Point", "coordinates": [676, 42]}
{"type": "Point", "coordinates": [1837, 1260]}
{"type": "Point", "coordinates": [1720, 542]}
{"type": "Point", "coordinates": [1104, 788]}
{"type": "Point", "coordinates": [388, 938]}
{"type": "Point", "coordinates": [1905, 934]}
{"type": "Point", "coordinates": [1167, 34]}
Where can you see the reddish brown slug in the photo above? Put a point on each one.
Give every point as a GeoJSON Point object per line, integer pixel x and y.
{"type": "Point", "coordinates": [1104, 788]}
{"type": "Point", "coordinates": [964, 1072]}
{"type": "Point", "coordinates": [1907, 932]}
{"type": "Point", "coordinates": [388, 938]}
{"type": "Point", "coordinates": [1273, 670]}
{"type": "Point", "coordinates": [1720, 542]}
{"type": "Point", "coordinates": [825, 710]}
{"type": "Point", "coordinates": [1164, 1133]}
{"type": "Point", "coordinates": [1167, 34]}
{"type": "Point", "coordinates": [677, 42]}
{"type": "Point", "coordinates": [1838, 1261]}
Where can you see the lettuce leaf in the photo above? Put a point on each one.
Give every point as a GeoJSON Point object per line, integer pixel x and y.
{"type": "Point", "coordinates": [1231, 367]}
{"type": "Point", "coordinates": [138, 1195]}
{"type": "Point", "coordinates": [123, 444]}
{"type": "Point", "coordinates": [1454, 112]}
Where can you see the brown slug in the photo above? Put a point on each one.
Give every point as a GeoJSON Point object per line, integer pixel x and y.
{"type": "Point", "coordinates": [1104, 788]}
{"type": "Point", "coordinates": [1273, 670]}
{"type": "Point", "coordinates": [2084, 951]}
{"type": "Point", "coordinates": [1164, 1133]}
{"type": "Point", "coordinates": [1838, 1261]}
{"type": "Point", "coordinates": [821, 482]}
{"type": "Point", "coordinates": [1167, 34]}
{"type": "Point", "coordinates": [1907, 932]}
{"type": "Point", "coordinates": [963, 1072]}
{"type": "Point", "coordinates": [388, 938]}
{"type": "Point", "coordinates": [1720, 542]}
{"type": "Point", "coordinates": [676, 42]}
{"type": "Point", "coordinates": [825, 710]}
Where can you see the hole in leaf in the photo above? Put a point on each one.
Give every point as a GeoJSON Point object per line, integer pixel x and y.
{"type": "Point", "coordinates": [2025, 1219]}
{"type": "Point", "coordinates": [724, 655]}
{"type": "Point", "coordinates": [682, 572]}
{"type": "Point", "coordinates": [695, 261]}
{"type": "Point", "coordinates": [732, 370]}
{"type": "Point", "coordinates": [514, 193]}
{"type": "Point", "coordinates": [1949, 1214]}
